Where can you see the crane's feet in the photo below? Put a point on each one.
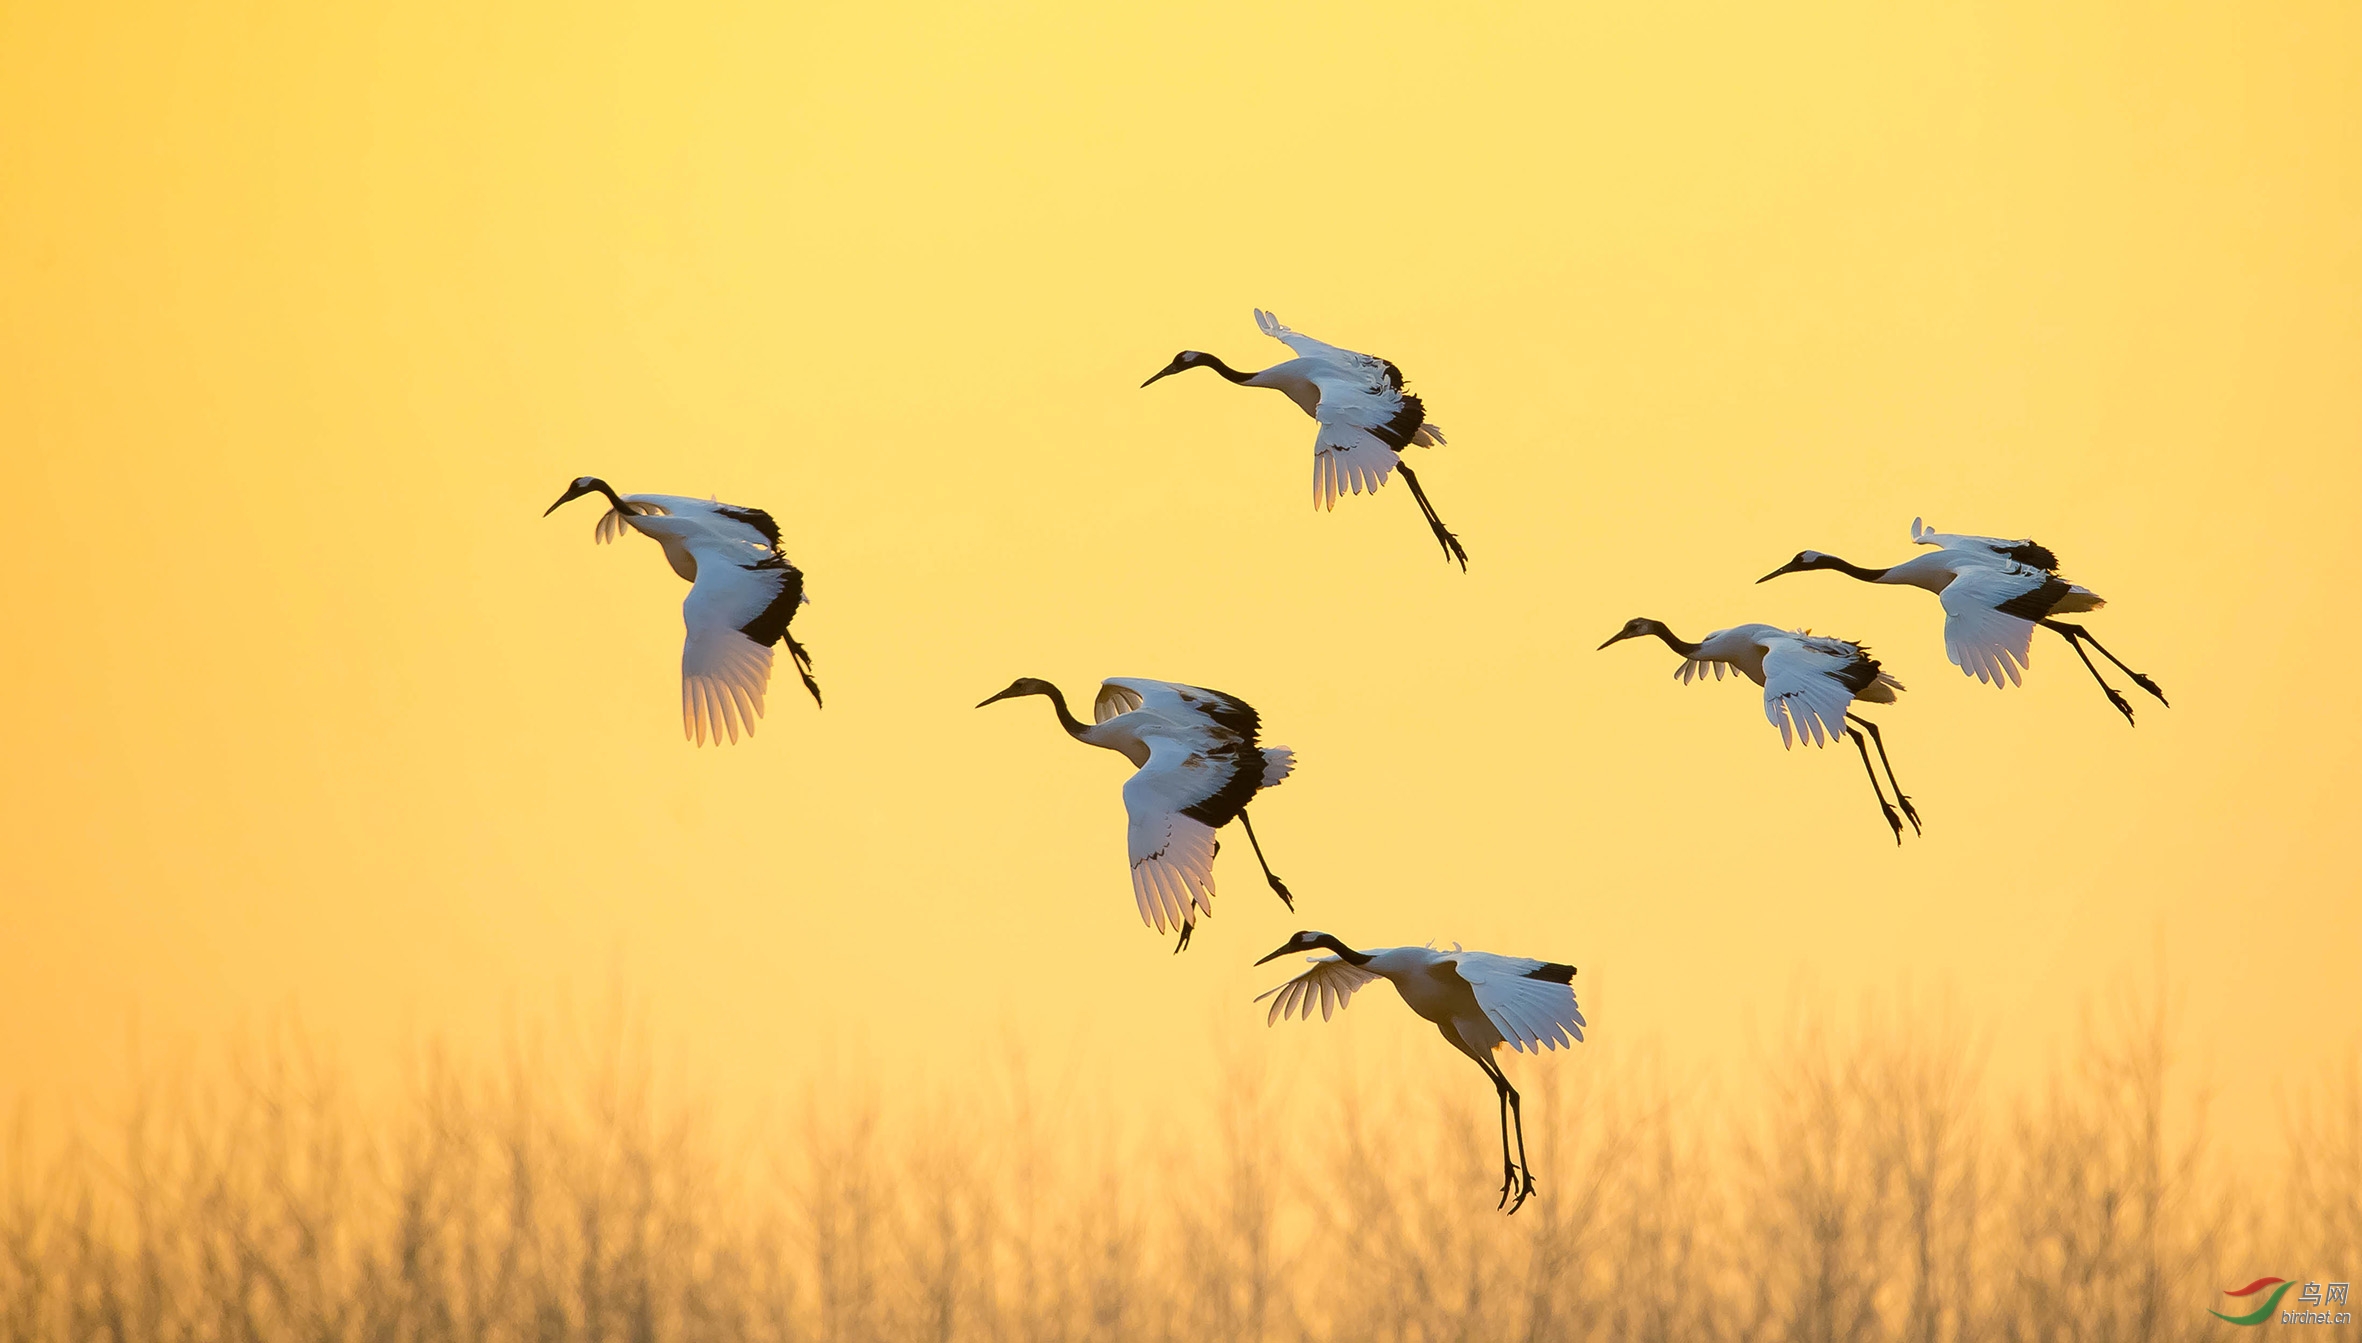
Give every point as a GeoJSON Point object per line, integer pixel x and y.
{"type": "Point", "coordinates": [1280, 889]}
{"type": "Point", "coordinates": [1905, 803]}
{"type": "Point", "coordinates": [2123, 706]}
{"type": "Point", "coordinates": [1183, 944]}
{"type": "Point", "coordinates": [1509, 1183]}
{"type": "Point", "coordinates": [1525, 1190]}
{"type": "Point", "coordinates": [2151, 686]}
{"type": "Point", "coordinates": [1452, 548]}
{"type": "Point", "coordinates": [1892, 820]}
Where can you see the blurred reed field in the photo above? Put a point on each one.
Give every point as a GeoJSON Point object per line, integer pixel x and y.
{"type": "Point", "coordinates": [1865, 1184]}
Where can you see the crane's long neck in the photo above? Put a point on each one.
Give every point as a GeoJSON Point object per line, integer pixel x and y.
{"type": "Point", "coordinates": [1348, 954]}
{"type": "Point", "coordinates": [1675, 642]}
{"type": "Point", "coordinates": [1075, 728]}
{"type": "Point", "coordinates": [1851, 569]}
{"type": "Point", "coordinates": [612, 497]}
{"type": "Point", "coordinates": [1215, 363]}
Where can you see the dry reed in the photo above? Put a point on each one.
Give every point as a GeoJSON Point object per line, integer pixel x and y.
{"type": "Point", "coordinates": [1871, 1189]}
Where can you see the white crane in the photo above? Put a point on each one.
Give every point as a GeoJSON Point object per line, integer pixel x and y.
{"type": "Point", "coordinates": [1809, 686]}
{"type": "Point", "coordinates": [1198, 765]}
{"type": "Point", "coordinates": [742, 594]}
{"type": "Point", "coordinates": [1366, 418]}
{"type": "Point", "coordinates": [1479, 1001]}
{"type": "Point", "coordinates": [1994, 593]}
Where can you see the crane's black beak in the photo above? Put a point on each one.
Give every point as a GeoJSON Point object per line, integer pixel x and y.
{"type": "Point", "coordinates": [1001, 696]}
{"type": "Point", "coordinates": [1167, 371]}
{"type": "Point", "coordinates": [1616, 638]}
{"type": "Point", "coordinates": [1291, 946]}
{"type": "Point", "coordinates": [1788, 568]}
{"type": "Point", "coordinates": [564, 499]}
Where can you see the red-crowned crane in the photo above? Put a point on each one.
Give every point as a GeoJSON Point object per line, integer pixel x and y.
{"type": "Point", "coordinates": [1197, 766]}
{"type": "Point", "coordinates": [1809, 686]}
{"type": "Point", "coordinates": [1994, 593]}
{"type": "Point", "coordinates": [742, 595]}
{"type": "Point", "coordinates": [1366, 418]}
{"type": "Point", "coordinates": [1479, 1001]}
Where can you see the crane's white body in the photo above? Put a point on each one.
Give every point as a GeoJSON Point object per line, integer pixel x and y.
{"type": "Point", "coordinates": [742, 594]}
{"type": "Point", "coordinates": [1808, 680]}
{"type": "Point", "coordinates": [1364, 416]}
{"type": "Point", "coordinates": [1992, 590]}
{"type": "Point", "coordinates": [1197, 764]}
{"type": "Point", "coordinates": [1994, 593]}
{"type": "Point", "coordinates": [1478, 1000]}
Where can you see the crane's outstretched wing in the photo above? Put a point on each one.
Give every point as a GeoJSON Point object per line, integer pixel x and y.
{"type": "Point", "coordinates": [1532, 1003]}
{"type": "Point", "coordinates": [1348, 459]}
{"type": "Point", "coordinates": [728, 522]}
{"type": "Point", "coordinates": [1175, 802]}
{"type": "Point", "coordinates": [1115, 697]}
{"type": "Point", "coordinates": [1174, 702]}
{"type": "Point", "coordinates": [734, 612]}
{"type": "Point", "coordinates": [1330, 982]}
{"type": "Point", "coordinates": [1981, 640]}
{"type": "Point", "coordinates": [1315, 349]}
{"type": "Point", "coordinates": [611, 523]}
{"type": "Point", "coordinates": [1808, 683]}
{"type": "Point", "coordinates": [2021, 551]}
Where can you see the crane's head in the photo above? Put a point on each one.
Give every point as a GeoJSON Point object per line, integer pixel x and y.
{"type": "Point", "coordinates": [1308, 940]}
{"type": "Point", "coordinates": [1805, 559]}
{"type": "Point", "coordinates": [1185, 359]}
{"type": "Point", "coordinates": [1637, 627]}
{"type": "Point", "coordinates": [582, 485]}
{"type": "Point", "coordinates": [1024, 685]}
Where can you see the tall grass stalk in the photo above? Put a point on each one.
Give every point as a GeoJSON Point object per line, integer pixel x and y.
{"type": "Point", "coordinates": [1871, 1185]}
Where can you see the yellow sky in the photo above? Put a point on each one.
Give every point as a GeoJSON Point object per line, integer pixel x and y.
{"type": "Point", "coordinates": [310, 310]}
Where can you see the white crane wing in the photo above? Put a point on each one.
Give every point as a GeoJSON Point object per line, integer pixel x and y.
{"type": "Point", "coordinates": [1984, 642]}
{"type": "Point", "coordinates": [1172, 852]}
{"type": "Point", "coordinates": [728, 522]}
{"type": "Point", "coordinates": [1330, 981]}
{"type": "Point", "coordinates": [1348, 459]}
{"type": "Point", "coordinates": [1532, 1003]}
{"type": "Point", "coordinates": [1802, 687]}
{"type": "Point", "coordinates": [1164, 699]}
{"type": "Point", "coordinates": [724, 673]}
{"type": "Point", "coordinates": [1115, 697]}
{"type": "Point", "coordinates": [1993, 549]}
{"type": "Point", "coordinates": [1187, 707]}
{"type": "Point", "coordinates": [1314, 349]}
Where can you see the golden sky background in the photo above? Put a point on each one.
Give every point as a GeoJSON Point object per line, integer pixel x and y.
{"type": "Point", "coordinates": [306, 312]}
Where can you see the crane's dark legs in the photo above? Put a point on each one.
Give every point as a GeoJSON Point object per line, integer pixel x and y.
{"type": "Point", "coordinates": [2075, 636]}
{"type": "Point", "coordinates": [2078, 635]}
{"type": "Point", "coordinates": [1889, 811]}
{"type": "Point", "coordinates": [1501, 1095]}
{"type": "Point", "coordinates": [1880, 743]}
{"type": "Point", "coordinates": [1516, 1177]}
{"type": "Point", "coordinates": [1186, 930]}
{"type": "Point", "coordinates": [1443, 535]}
{"type": "Point", "coordinates": [1525, 1190]}
{"type": "Point", "coordinates": [803, 665]}
{"type": "Point", "coordinates": [1278, 887]}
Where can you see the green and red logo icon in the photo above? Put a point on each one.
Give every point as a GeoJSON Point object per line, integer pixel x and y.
{"type": "Point", "coordinates": [2263, 1312]}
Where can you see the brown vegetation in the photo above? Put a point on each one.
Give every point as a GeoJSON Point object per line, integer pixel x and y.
{"type": "Point", "coordinates": [1872, 1190]}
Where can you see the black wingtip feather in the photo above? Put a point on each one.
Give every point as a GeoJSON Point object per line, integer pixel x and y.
{"type": "Point", "coordinates": [2034, 556]}
{"type": "Point", "coordinates": [771, 626]}
{"type": "Point", "coordinates": [1554, 973]}
{"type": "Point", "coordinates": [755, 518]}
{"type": "Point", "coordinates": [1396, 433]}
